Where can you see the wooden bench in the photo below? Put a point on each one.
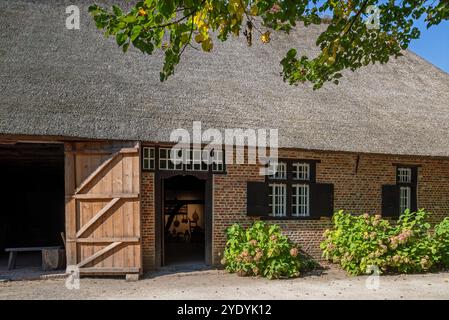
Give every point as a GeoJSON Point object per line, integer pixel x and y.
{"type": "Point", "coordinates": [13, 253]}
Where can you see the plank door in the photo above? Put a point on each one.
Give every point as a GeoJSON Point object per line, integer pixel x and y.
{"type": "Point", "coordinates": [103, 207]}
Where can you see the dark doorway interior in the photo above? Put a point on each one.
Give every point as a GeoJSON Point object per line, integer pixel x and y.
{"type": "Point", "coordinates": [184, 223]}
{"type": "Point", "coordinates": [31, 197]}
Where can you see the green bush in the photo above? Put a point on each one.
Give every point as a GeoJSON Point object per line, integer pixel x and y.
{"type": "Point", "coordinates": [442, 238]}
{"type": "Point", "coordinates": [261, 250]}
{"type": "Point", "coordinates": [356, 242]}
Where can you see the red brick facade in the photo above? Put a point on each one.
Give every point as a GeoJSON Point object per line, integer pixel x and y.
{"type": "Point", "coordinates": [357, 188]}
{"type": "Point", "coordinates": [148, 221]}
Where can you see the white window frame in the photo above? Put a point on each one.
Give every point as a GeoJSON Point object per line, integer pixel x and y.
{"type": "Point", "coordinates": [278, 170]}
{"type": "Point", "coordinates": [278, 199]}
{"type": "Point", "coordinates": [301, 171]}
{"type": "Point", "coordinates": [196, 160]}
{"type": "Point", "coordinates": [404, 175]}
{"type": "Point", "coordinates": [166, 163]}
{"type": "Point", "coordinates": [218, 161]}
{"type": "Point", "coordinates": [300, 200]}
{"type": "Point", "coordinates": [148, 160]}
{"type": "Point", "coordinates": [405, 198]}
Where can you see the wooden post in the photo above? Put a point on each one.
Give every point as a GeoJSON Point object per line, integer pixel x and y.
{"type": "Point", "coordinates": [12, 260]}
{"type": "Point", "coordinates": [70, 202]}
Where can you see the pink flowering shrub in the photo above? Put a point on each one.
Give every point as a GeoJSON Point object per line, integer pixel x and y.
{"type": "Point", "coordinates": [357, 242]}
{"type": "Point", "coordinates": [260, 250]}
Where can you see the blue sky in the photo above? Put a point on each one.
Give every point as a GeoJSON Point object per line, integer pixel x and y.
{"type": "Point", "coordinates": [433, 45]}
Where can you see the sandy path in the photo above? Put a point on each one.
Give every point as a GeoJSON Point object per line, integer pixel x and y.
{"type": "Point", "coordinates": [217, 284]}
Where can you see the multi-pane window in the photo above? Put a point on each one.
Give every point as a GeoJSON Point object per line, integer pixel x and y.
{"type": "Point", "coordinates": [406, 180]}
{"type": "Point", "coordinates": [197, 160]}
{"type": "Point", "coordinates": [278, 199]}
{"type": "Point", "coordinates": [300, 200]}
{"type": "Point", "coordinates": [218, 161]}
{"type": "Point", "coordinates": [289, 188]}
{"type": "Point", "coordinates": [164, 158]}
{"type": "Point", "coordinates": [404, 175]}
{"type": "Point", "coordinates": [404, 198]}
{"type": "Point", "coordinates": [301, 171]}
{"type": "Point", "coordinates": [148, 158]}
{"type": "Point", "coordinates": [167, 159]}
{"type": "Point", "coordinates": [278, 170]}
{"type": "Point", "coordinates": [403, 195]}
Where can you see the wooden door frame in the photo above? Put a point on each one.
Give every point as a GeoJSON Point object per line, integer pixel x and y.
{"type": "Point", "coordinates": [160, 176]}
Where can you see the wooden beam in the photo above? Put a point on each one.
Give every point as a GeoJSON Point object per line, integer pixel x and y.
{"type": "Point", "coordinates": [102, 151]}
{"type": "Point", "coordinates": [105, 240]}
{"type": "Point", "coordinates": [172, 215]}
{"type": "Point", "coordinates": [30, 249]}
{"type": "Point", "coordinates": [95, 218]}
{"type": "Point", "coordinates": [98, 254]}
{"type": "Point", "coordinates": [93, 196]}
{"type": "Point", "coordinates": [97, 171]}
{"type": "Point", "coordinates": [128, 150]}
{"type": "Point", "coordinates": [91, 152]}
{"type": "Point", "coordinates": [100, 270]}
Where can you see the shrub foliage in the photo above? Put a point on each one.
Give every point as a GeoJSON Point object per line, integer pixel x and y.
{"type": "Point", "coordinates": [261, 250]}
{"type": "Point", "coordinates": [410, 245]}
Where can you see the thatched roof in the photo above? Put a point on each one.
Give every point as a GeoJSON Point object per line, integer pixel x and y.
{"type": "Point", "coordinates": [60, 82]}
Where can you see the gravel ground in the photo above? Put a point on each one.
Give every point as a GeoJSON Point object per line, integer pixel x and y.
{"type": "Point", "coordinates": [217, 284]}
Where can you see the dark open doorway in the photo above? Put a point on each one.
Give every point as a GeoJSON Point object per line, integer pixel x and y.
{"type": "Point", "coordinates": [32, 198]}
{"type": "Point", "coordinates": [184, 220]}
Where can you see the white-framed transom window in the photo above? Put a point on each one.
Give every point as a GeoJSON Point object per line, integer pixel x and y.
{"type": "Point", "coordinates": [197, 160]}
{"type": "Point", "coordinates": [218, 161]}
{"type": "Point", "coordinates": [405, 194]}
{"type": "Point", "coordinates": [149, 156]}
{"type": "Point", "coordinates": [404, 175]}
{"type": "Point", "coordinates": [300, 200]}
{"type": "Point", "coordinates": [278, 199]}
{"type": "Point", "coordinates": [166, 160]}
{"type": "Point", "coordinates": [301, 171]}
{"type": "Point", "coordinates": [278, 170]}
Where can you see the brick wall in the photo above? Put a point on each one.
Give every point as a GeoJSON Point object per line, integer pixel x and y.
{"type": "Point", "coordinates": [356, 192]}
{"type": "Point", "coordinates": [148, 221]}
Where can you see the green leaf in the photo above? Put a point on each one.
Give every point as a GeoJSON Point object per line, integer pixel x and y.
{"type": "Point", "coordinates": [94, 8]}
{"type": "Point", "coordinates": [166, 7]}
{"type": "Point", "coordinates": [145, 47]}
{"type": "Point", "coordinates": [121, 38]}
{"type": "Point", "coordinates": [125, 47]}
{"type": "Point", "coordinates": [117, 11]}
{"type": "Point", "coordinates": [291, 53]}
{"type": "Point", "coordinates": [129, 19]}
{"type": "Point", "coordinates": [135, 32]}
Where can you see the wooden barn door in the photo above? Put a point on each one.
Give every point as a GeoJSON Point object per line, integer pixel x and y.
{"type": "Point", "coordinates": [103, 207]}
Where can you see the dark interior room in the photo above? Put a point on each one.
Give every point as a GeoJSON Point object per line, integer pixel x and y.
{"type": "Point", "coordinates": [32, 197]}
